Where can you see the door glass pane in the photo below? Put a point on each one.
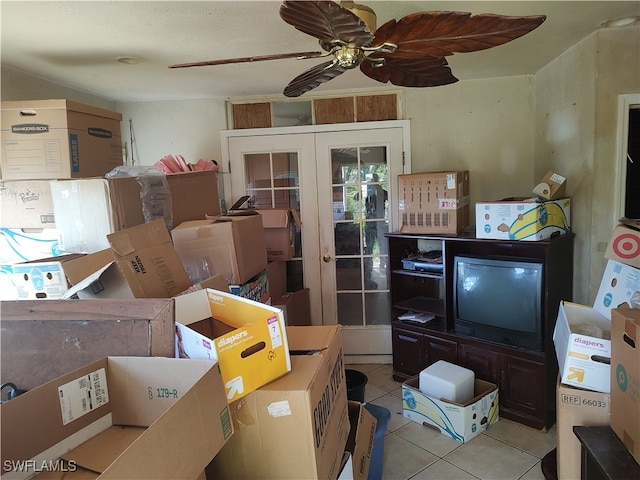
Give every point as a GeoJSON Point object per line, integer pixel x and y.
{"type": "Point", "coordinates": [360, 216]}
{"type": "Point", "coordinates": [350, 309]}
{"type": "Point", "coordinates": [273, 182]}
{"type": "Point", "coordinates": [377, 308]}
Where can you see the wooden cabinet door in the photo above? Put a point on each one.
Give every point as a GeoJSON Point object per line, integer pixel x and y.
{"type": "Point", "coordinates": [485, 363]}
{"type": "Point", "coordinates": [408, 351]}
{"type": "Point", "coordinates": [440, 349]}
{"type": "Point", "coordinates": [521, 385]}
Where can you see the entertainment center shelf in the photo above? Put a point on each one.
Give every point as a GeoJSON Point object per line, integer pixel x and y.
{"type": "Point", "coordinates": [526, 377]}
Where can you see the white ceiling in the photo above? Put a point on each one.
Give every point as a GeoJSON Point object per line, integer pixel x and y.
{"type": "Point", "coordinates": [76, 43]}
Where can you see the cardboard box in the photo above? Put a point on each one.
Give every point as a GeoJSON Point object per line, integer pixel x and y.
{"type": "Point", "coordinates": [83, 276]}
{"type": "Point", "coordinates": [90, 209]}
{"type": "Point", "coordinates": [625, 382]}
{"type": "Point", "coordinates": [460, 421]}
{"type": "Point", "coordinates": [58, 139]}
{"type": "Point", "coordinates": [576, 407]}
{"type": "Point", "coordinates": [277, 273]}
{"type": "Point", "coordinates": [232, 246]}
{"type": "Point", "coordinates": [216, 282]}
{"type": "Point", "coordinates": [359, 444]}
{"type": "Point", "coordinates": [297, 426]}
{"type": "Point", "coordinates": [619, 282]}
{"type": "Point", "coordinates": [256, 289]}
{"type": "Point", "coordinates": [148, 261]}
{"type": "Point", "coordinates": [26, 204]}
{"type": "Point", "coordinates": [434, 202]}
{"type": "Point", "coordinates": [551, 186]}
{"type": "Point", "coordinates": [84, 213]}
{"type": "Point", "coordinates": [42, 339]}
{"type": "Point", "coordinates": [120, 417]}
{"type": "Point", "coordinates": [38, 280]}
{"type": "Point", "coordinates": [624, 246]}
{"type": "Point", "coordinates": [583, 347]}
{"type": "Point", "coordinates": [95, 276]}
{"type": "Point", "coordinates": [19, 245]}
{"type": "Point", "coordinates": [295, 306]}
{"type": "Point", "coordinates": [247, 338]}
{"type": "Point", "coordinates": [523, 219]}
{"type": "Point", "coordinates": [280, 232]}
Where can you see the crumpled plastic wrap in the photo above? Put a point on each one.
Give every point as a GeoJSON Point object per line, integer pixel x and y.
{"type": "Point", "coordinates": [155, 195]}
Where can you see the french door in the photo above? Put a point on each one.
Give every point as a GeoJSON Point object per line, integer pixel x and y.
{"type": "Point", "coordinates": [342, 179]}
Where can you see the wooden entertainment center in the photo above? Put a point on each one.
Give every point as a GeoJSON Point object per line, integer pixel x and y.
{"type": "Point", "coordinates": [526, 378]}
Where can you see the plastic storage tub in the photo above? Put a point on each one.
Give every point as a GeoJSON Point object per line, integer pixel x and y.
{"type": "Point", "coordinates": [382, 415]}
{"type": "Point", "coordinates": [446, 380]}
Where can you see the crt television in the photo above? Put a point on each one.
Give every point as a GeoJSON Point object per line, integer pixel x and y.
{"type": "Point", "coordinates": [499, 299]}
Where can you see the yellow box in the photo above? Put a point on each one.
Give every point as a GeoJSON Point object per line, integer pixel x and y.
{"type": "Point", "coordinates": [58, 139]}
{"type": "Point", "coordinates": [247, 338]}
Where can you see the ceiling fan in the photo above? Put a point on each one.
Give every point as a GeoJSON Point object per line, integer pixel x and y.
{"type": "Point", "coordinates": [409, 53]}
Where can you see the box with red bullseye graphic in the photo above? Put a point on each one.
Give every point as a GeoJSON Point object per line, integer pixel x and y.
{"type": "Point", "coordinates": [624, 246]}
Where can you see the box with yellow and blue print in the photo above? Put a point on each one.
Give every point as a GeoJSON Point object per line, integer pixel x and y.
{"type": "Point", "coordinates": [462, 422]}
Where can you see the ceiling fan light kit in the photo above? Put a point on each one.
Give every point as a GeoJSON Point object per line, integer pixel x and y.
{"type": "Point", "coordinates": [409, 52]}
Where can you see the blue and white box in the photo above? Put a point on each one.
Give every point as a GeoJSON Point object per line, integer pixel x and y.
{"type": "Point", "coordinates": [462, 422]}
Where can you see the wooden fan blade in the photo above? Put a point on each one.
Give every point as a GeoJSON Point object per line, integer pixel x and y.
{"type": "Point", "coordinates": [249, 59]}
{"type": "Point", "coordinates": [312, 78]}
{"type": "Point", "coordinates": [404, 72]}
{"type": "Point", "coordinates": [327, 21]}
{"type": "Point", "coordinates": [439, 34]}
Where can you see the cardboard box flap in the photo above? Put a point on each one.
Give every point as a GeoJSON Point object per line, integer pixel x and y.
{"type": "Point", "coordinates": [87, 281]}
{"type": "Point", "coordinates": [279, 217]}
{"type": "Point", "coordinates": [579, 317]}
{"type": "Point", "coordinates": [193, 307]}
{"type": "Point", "coordinates": [79, 268]}
{"type": "Point", "coordinates": [304, 339]}
{"type": "Point", "coordinates": [361, 437]}
{"type": "Point", "coordinates": [44, 431]}
{"type": "Point", "coordinates": [275, 218]}
{"type": "Point", "coordinates": [142, 236]}
{"type": "Point", "coordinates": [97, 453]}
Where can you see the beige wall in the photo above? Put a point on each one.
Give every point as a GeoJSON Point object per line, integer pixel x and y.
{"type": "Point", "coordinates": [484, 126]}
{"type": "Point", "coordinates": [190, 128]}
{"type": "Point", "coordinates": [576, 98]}
{"type": "Point", "coordinates": [18, 86]}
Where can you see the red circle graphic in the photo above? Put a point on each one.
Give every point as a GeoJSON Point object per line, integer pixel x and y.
{"type": "Point", "coordinates": [626, 246]}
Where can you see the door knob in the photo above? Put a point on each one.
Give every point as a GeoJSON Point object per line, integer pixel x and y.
{"type": "Point", "coordinates": [326, 258]}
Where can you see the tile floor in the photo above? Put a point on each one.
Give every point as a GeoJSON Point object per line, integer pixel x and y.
{"type": "Point", "coordinates": [506, 451]}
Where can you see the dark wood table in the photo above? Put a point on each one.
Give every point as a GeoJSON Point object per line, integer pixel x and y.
{"type": "Point", "coordinates": [604, 456]}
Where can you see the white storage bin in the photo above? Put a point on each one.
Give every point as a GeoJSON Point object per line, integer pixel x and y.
{"type": "Point", "coordinates": [446, 380]}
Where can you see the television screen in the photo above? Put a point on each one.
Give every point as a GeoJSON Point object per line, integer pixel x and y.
{"type": "Point", "coordinates": [499, 299]}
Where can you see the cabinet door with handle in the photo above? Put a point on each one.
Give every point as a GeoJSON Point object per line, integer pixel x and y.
{"type": "Point", "coordinates": [484, 363]}
{"type": "Point", "coordinates": [440, 349]}
{"type": "Point", "coordinates": [517, 377]}
{"type": "Point", "coordinates": [408, 352]}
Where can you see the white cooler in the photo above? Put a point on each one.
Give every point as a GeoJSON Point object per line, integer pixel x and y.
{"type": "Point", "coordinates": [446, 380]}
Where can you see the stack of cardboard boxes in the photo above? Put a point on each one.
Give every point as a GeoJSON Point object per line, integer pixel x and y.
{"type": "Point", "coordinates": [598, 356]}
{"type": "Point", "coordinates": [135, 356]}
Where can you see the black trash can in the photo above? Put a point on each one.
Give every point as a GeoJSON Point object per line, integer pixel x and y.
{"type": "Point", "coordinates": [356, 383]}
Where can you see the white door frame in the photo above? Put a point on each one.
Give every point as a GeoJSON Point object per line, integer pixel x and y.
{"type": "Point", "coordinates": [252, 134]}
